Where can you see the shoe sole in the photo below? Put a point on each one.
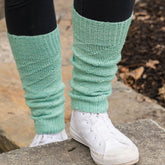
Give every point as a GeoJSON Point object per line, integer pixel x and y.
{"type": "Point", "coordinates": [95, 155]}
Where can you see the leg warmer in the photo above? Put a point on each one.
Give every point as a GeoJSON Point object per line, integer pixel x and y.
{"type": "Point", "coordinates": [38, 60]}
{"type": "Point", "coordinates": [96, 49]}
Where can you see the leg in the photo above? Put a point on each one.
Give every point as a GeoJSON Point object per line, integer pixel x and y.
{"type": "Point", "coordinates": [98, 40]}
{"type": "Point", "coordinates": [26, 17]}
{"type": "Point", "coordinates": [35, 42]}
{"type": "Point", "coordinates": [105, 10]}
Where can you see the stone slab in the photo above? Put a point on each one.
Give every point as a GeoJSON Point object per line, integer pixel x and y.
{"type": "Point", "coordinates": [146, 134]}
{"type": "Point", "coordinates": [126, 105]}
{"type": "Point", "coordinates": [2, 12]}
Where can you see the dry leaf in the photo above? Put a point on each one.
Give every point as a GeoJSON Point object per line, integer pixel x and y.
{"type": "Point", "coordinates": [163, 28]}
{"type": "Point", "coordinates": [162, 92]}
{"type": "Point", "coordinates": [136, 74]}
{"type": "Point", "coordinates": [140, 98]}
{"type": "Point", "coordinates": [144, 76]}
{"type": "Point", "coordinates": [147, 99]}
{"type": "Point", "coordinates": [152, 63]}
{"type": "Point", "coordinates": [124, 69]}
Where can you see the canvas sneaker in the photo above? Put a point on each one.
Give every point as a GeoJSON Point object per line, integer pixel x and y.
{"type": "Point", "coordinates": [108, 146]}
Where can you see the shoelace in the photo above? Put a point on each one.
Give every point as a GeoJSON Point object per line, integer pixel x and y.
{"type": "Point", "coordinates": [103, 122]}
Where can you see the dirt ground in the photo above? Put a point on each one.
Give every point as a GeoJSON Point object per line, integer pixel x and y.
{"type": "Point", "coordinates": [143, 62]}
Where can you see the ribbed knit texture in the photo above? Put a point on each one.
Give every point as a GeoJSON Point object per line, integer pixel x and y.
{"type": "Point", "coordinates": [96, 49]}
{"type": "Point", "coordinates": [38, 60]}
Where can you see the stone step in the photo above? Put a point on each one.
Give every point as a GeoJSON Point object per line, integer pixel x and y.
{"type": "Point", "coordinates": [2, 12]}
{"type": "Point", "coordinates": [146, 134]}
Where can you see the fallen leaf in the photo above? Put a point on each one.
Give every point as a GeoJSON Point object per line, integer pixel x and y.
{"type": "Point", "coordinates": [147, 99]}
{"type": "Point", "coordinates": [136, 74]}
{"type": "Point", "coordinates": [162, 92]}
{"type": "Point", "coordinates": [140, 98]}
{"type": "Point", "coordinates": [152, 63]}
{"type": "Point", "coordinates": [163, 28]}
{"type": "Point", "coordinates": [124, 69]}
{"type": "Point", "coordinates": [144, 76]}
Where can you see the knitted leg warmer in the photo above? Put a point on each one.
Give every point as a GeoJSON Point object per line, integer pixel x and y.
{"type": "Point", "coordinates": [38, 60]}
{"type": "Point", "coordinates": [96, 49]}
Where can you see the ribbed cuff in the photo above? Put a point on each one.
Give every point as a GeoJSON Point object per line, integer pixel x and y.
{"type": "Point", "coordinates": [50, 125]}
{"type": "Point", "coordinates": [80, 104]}
{"type": "Point", "coordinates": [35, 47]}
{"type": "Point", "coordinates": [99, 32]}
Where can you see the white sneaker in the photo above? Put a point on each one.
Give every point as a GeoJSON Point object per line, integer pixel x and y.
{"type": "Point", "coordinates": [108, 146]}
{"type": "Point", "coordinates": [41, 139]}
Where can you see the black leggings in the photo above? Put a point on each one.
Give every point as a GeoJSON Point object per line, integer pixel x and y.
{"type": "Point", "coordinates": [35, 17]}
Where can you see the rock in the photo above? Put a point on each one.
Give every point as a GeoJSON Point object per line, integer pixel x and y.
{"type": "Point", "coordinates": [9, 145]}
{"type": "Point", "coordinates": [124, 106]}
{"type": "Point", "coordinates": [5, 50]}
{"type": "Point", "coordinates": [3, 25]}
{"type": "Point", "coordinates": [146, 134]}
{"type": "Point", "coordinates": [2, 13]}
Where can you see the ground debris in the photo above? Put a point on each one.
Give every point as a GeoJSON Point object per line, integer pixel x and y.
{"type": "Point", "coordinates": [145, 47]}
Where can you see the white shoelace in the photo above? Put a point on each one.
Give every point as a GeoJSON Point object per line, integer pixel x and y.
{"type": "Point", "coordinates": [96, 131]}
{"type": "Point", "coordinates": [102, 124]}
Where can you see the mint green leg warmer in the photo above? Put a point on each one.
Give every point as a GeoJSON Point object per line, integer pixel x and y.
{"type": "Point", "coordinates": [38, 60]}
{"type": "Point", "coordinates": [96, 51]}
